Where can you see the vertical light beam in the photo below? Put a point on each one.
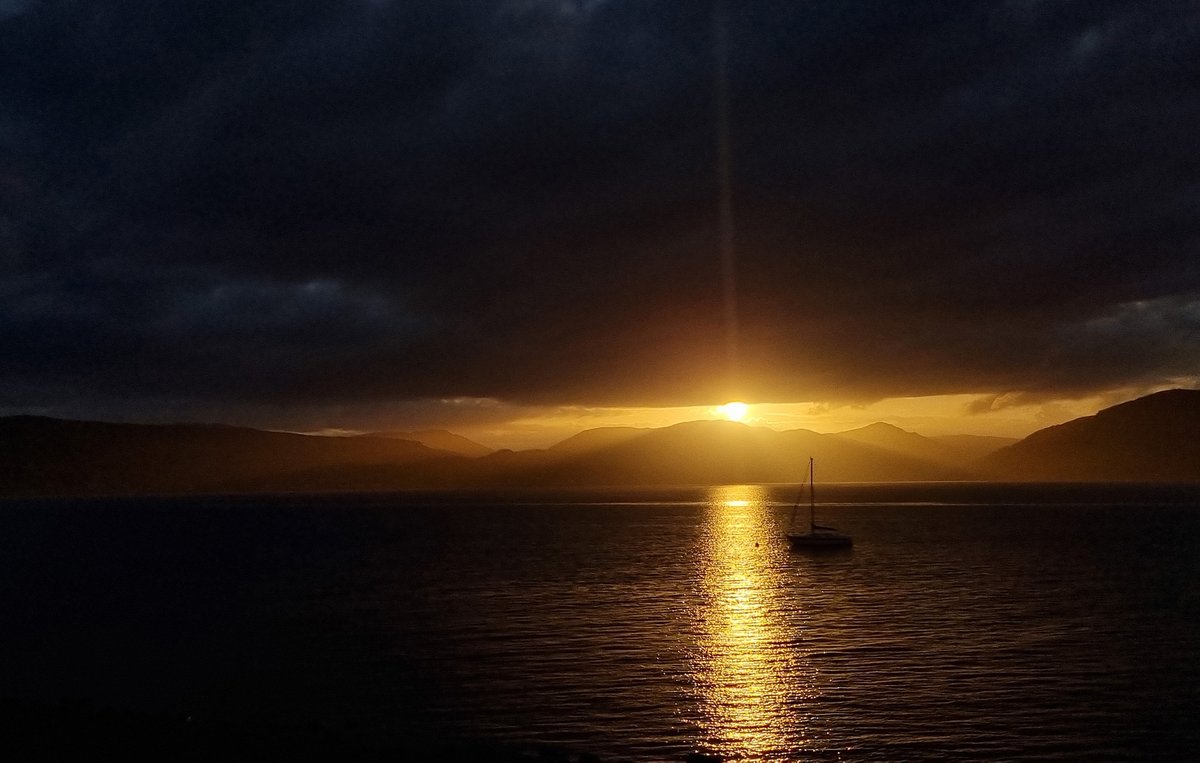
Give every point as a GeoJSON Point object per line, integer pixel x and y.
{"type": "Point", "coordinates": [725, 220]}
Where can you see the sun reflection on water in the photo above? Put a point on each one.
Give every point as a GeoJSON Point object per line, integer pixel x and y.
{"type": "Point", "coordinates": [749, 670]}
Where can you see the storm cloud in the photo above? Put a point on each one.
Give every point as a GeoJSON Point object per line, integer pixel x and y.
{"type": "Point", "coordinates": [333, 203]}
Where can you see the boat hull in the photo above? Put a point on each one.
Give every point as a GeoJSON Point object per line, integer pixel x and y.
{"type": "Point", "coordinates": [819, 541]}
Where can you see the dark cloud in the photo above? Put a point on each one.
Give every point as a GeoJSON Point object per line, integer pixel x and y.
{"type": "Point", "coordinates": [333, 203]}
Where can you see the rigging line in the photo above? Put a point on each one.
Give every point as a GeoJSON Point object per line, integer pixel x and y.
{"type": "Point", "coordinates": [799, 497]}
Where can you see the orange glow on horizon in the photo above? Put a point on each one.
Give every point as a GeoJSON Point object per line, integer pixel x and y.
{"type": "Point", "coordinates": [734, 411]}
{"type": "Point", "coordinates": [928, 416]}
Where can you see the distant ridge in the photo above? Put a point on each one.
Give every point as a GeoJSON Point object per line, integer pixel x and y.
{"type": "Point", "coordinates": [601, 438]}
{"type": "Point", "coordinates": [952, 449]}
{"type": "Point", "coordinates": [972, 446]}
{"type": "Point", "coordinates": [45, 456]}
{"type": "Point", "coordinates": [715, 452]}
{"type": "Point", "coordinates": [438, 439]}
{"type": "Point", "coordinates": [40, 456]}
{"type": "Point", "coordinates": [1152, 439]}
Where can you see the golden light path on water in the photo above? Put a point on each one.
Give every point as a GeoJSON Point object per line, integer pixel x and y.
{"type": "Point", "coordinates": [750, 671]}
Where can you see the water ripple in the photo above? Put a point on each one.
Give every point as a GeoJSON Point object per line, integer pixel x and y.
{"type": "Point", "coordinates": [643, 629]}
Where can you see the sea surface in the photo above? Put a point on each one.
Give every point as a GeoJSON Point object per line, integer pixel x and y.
{"type": "Point", "coordinates": [967, 622]}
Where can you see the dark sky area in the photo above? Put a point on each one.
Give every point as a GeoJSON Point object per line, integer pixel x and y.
{"type": "Point", "coordinates": [292, 205]}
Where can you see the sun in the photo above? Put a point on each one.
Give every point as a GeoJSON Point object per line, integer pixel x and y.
{"type": "Point", "coordinates": [735, 411]}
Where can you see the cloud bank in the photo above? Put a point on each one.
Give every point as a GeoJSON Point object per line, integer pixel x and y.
{"type": "Point", "coordinates": [290, 204]}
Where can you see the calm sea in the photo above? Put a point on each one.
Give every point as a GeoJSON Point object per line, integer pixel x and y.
{"type": "Point", "coordinates": [968, 622]}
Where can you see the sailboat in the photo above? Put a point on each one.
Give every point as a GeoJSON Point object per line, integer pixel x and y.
{"type": "Point", "coordinates": [818, 536]}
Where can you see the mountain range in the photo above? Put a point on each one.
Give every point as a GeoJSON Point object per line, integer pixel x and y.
{"type": "Point", "coordinates": [1153, 438]}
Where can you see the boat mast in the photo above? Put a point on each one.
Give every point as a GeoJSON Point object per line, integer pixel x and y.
{"type": "Point", "coordinates": [812, 498]}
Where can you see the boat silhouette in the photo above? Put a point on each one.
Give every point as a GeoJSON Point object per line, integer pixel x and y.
{"type": "Point", "coordinates": [818, 536]}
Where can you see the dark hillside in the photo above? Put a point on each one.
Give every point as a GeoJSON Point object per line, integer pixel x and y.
{"type": "Point", "coordinates": [1151, 439]}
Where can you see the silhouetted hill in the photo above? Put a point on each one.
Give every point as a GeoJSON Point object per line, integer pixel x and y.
{"type": "Point", "coordinates": [439, 439]}
{"type": "Point", "coordinates": [1154, 438]}
{"type": "Point", "coordinates": [956, 451]}
{"type": "Point", "coordinates": [41, 456]}
{"type": "Point", "coordinates": [970, 447]}
{"type": "Point", "coordinates": [601, 438]}
{"type": "Point", "coordinates": [892, 439]}
{"type": "Point", "coordinates": [1151, 439]}
{"type": "Point", "coordinates": [711, 452]}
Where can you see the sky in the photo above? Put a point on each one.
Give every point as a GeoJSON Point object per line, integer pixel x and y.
{"type": "Point", "coordinates": [515, 220]}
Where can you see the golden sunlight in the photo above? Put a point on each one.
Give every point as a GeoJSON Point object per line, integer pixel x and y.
{"type": "Point", "coordinates": [734, 411]}
{"type": "Point", "coordinates": [522, 429]}
{"type": "Point", "coordinates": [746, 679]}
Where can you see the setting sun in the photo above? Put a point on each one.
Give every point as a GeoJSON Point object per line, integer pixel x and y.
{"type": "Point", "coordinates": [734, 411]}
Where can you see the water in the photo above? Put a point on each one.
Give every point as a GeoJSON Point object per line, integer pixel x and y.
{"type": "Point", "coordinates": [966, 623]}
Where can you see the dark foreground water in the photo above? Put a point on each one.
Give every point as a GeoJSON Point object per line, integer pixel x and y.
{"type": "Point", "coordinates": [967, 622]}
